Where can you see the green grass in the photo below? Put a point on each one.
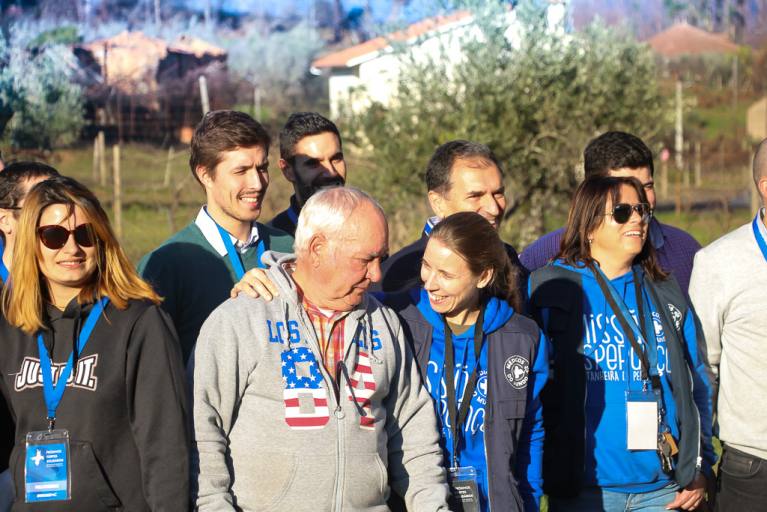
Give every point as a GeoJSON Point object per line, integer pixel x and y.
{"type": "Point", "coordinates": [147, 203]}
{"type": "Point", "coordinates": [721, 121]}
{"type": "Point", "coordinates": [707, 226]}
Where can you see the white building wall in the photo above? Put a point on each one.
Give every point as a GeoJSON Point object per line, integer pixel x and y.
{"type": "Point", "coordinates": [374, 78]}
{"type": "Point", "coordinates": [340, 87]}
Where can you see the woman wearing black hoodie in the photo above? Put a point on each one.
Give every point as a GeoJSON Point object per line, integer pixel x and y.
{"type": "Point", "coordinates": [107, 430]}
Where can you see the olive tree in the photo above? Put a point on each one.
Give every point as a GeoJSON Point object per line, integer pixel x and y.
{"type": "Point", "coordinates": [40, 106]}
{"type": "Point", "coordinates": [534, 93]}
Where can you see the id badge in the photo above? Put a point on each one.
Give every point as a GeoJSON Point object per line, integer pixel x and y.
{"type": "Point", "coordinates": [642, 420]}
{"type": "Point", "coordinates": [46, 467]}
{"type": "Point", "coordinates": [463, 489]}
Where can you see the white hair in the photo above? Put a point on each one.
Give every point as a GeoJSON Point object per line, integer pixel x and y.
{"type": "Point", "coordinates": [326, 212]}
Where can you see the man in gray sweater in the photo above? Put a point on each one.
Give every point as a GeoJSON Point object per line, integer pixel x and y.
{"type": "Point", "coordinates": [727, 288]}
{"type": "Point", "coordinates": [313, 401]}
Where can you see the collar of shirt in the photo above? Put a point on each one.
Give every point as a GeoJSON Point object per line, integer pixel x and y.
{"type": "Point", "coordinates": [430, 223]}
{"type": "Point", "coordinates": [328, 315]}
{"type": "Point", "coordinates": [209, 230]}
{"type": "Point", "coordinates": [329, 326]}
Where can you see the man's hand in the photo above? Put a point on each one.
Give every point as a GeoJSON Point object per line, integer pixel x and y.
{"type": "Point", "coordinates": [255, 283]}
{"type": "Point", "coordinates": [691, 497]}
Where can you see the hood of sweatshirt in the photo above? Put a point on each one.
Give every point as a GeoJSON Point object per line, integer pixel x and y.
{"type": "Point", "coordinates": [622, 284]}
{"type": "Point", "coordinates": [497, 313]}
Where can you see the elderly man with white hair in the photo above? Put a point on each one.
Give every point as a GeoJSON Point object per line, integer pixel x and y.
{"type": "Point", "coordinates": [313, 401]}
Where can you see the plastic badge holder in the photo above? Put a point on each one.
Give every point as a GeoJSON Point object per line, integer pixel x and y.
{"type": "Point", "coordinates": [47, 471]}
{"type": "Point", "coordinates": [642, 419]}
{"type": "Point", "coordinates": [463, 488]}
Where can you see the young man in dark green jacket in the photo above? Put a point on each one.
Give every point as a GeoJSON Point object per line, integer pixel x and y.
{"type": "Point", "coordinates": [195, 269]}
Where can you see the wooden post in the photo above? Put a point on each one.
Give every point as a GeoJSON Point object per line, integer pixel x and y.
{"type": "Point", "coordinates": [735, 82]}
{"type": "Point", "coordinates": [722, 170]}
{"type": "Point", "coordinates": [166, 180]}
{"type": "Point", "coordinates": [95, 172]}
{"type": "Point", "coordinates": [171, 220]}
{"type": "Point", "coordinates": [698, 177]}
{"type": "Point", "coordinates": [118, 101]}
{"type": "Point", "coordinates": [204, 95]}
{"type": "Point", "coordinates": [102, 159]}
{"type": "Point", "coordinates": [257, 103]}
{"type": "Point", "coordinates": [117, 202]}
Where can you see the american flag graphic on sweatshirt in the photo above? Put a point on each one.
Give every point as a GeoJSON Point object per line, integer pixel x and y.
{"type": "Point", "coordinates": [305, 395]}
{"type": "Point", "coordinates": [362, 386]}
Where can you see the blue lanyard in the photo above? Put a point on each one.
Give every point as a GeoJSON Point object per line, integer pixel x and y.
{"type": "Point", "coordinates": [759, 238]}
{"type": "Point", "coordinates": [234, 258]}
{"type": "Point", "coordinates": [429, 226]}
{"type": "Point", "coordinates": [3, 268]}
{"type": "Point", "coordinates": [53, 394]}
{"type": "Point", "coordinates": [649, 353]}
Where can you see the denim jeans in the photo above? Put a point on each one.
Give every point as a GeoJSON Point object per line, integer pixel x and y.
{"type": "Point", "coordinates": [742, 482]}
{"type": "Point", "coordinates": [595, 499]}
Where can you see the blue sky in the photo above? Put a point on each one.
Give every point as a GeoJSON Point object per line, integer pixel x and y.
{"type": "Point", "coordinates": [381, 8]}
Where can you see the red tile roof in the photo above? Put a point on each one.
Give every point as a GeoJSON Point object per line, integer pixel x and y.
{"type": "Point", "coordinates": [343, 57]}
{"type": "Point", "coordinates": [195, 46]}
{"type": "Point", "coordinates": [130, 60]}
{"type": "Point", "coordinates": [684, 39]}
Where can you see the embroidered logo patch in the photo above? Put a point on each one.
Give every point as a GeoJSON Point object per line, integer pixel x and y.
{"type": "Point", "coordinates": [676, 315]}
{"type": "Point", "coordinates": [83, 376]}
{"type": "Point", "coordinates": [482, 385]}
{"type": "Point", "coordinates": [516, 370]}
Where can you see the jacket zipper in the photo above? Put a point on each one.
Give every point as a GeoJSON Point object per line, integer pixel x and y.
{"type": "Point", "coordinates": [338, 414]}
{"type": "Point", "coordinates": [698, 459]}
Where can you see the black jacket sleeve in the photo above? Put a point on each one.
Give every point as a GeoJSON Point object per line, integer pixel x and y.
{"type": "Point", "coordinates": [157, 403]}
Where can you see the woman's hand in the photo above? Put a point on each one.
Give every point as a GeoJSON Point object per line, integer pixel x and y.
{"type": "Point", "coordinates": [692, 496]}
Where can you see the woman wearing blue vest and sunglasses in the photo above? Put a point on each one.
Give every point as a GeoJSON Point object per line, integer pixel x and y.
{"type": "Point", "coordinates": [483, 363]}
{"type": "Point", "coordinates": [627, 413]}
{"type": "Point", "coordinates": [90, 366]}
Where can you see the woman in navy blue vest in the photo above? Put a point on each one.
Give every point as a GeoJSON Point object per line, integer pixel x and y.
{"type": "Point", "coordinates": [627, 413]}
{"type": "Point", "coordinates": [483, 363]}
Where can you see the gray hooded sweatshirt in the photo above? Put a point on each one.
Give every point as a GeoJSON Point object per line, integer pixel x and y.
{"type": "Point", "coordinates": [273, 432]}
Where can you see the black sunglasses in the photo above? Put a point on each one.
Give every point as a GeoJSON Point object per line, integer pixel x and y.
{"type": "Point", "coordinates": [55, 237]}
{"type": "Point", "coordinates": [622, 212]}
